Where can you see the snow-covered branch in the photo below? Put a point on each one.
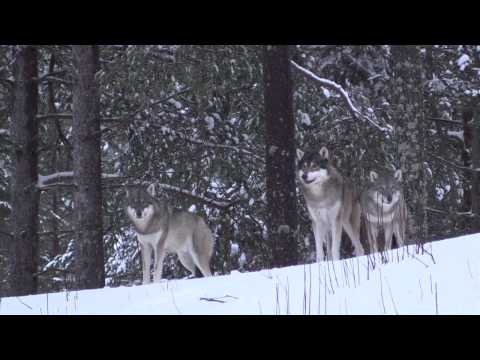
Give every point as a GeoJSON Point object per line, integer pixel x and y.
{"type": "Point", "coordinates": [5, 132]}
{"type": "Point", "coordinates": [212, 202]}
{"type": "Point", "coordinates": [340, 90]}
{"type": "Point", "coordinates": [46, 181]}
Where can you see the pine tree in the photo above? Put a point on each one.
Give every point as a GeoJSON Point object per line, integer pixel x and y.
{"type": "Point", "coordinates": [89, 252]}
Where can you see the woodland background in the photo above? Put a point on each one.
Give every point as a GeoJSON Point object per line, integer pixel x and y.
{"type": "Point", "coordinates": [217, 127]}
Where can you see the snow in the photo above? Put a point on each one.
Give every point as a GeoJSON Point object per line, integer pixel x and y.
{"type": "Point", "coordinates": [445, 282]}
{"type": "Point", "coordinates": [456, 134]}
{"type": "Point", "coordinates": [175, 103]}
{"type": "Point", "coordinates": [333, 85]}
{"type": "Point", "coordinates": [305, 119]}
{"type": "Point", "coordinates": [5, 204]}
{"type": "Point", "coordinates": [45, 180]}
{"type": "Point", "coordinates": [210, 122]}
{"type": "Point", "coordinates": [463, 61]}
{"type": "Point", "coordinates": [234, 249]}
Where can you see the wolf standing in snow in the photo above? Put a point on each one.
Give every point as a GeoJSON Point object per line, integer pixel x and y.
{"type": "Point", "coordinates": [331, 202]}
{"type": "Point", "coordinates": [162, 230]}
{"type": "Point", "coordinates": [384, 207]}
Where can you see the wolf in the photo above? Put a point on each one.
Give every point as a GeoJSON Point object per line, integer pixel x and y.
{"type": "Point", "coordinates": [162, 229]}
{"type": "Point", "coordinates": [383, 207]}
{"type": "Point", "coordinates": [332, 203]}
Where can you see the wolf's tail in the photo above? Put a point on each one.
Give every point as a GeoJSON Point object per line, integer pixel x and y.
{"type": "Point", "coordinates": [203, 243]}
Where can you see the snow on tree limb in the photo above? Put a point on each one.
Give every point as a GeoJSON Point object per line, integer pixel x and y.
{"type": "Point", "coordinates": [46, 181]}
{"type": "Point", "coordinates": [339, 89]}
{"type": "Point", "coordinates": [215, 203]}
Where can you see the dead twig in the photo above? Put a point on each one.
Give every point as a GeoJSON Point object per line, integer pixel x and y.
{"type": "Point", "coordinates": [218, 299]}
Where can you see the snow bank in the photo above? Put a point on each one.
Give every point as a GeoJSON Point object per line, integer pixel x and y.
{"type": "Point", "coordinates": [444, 280]}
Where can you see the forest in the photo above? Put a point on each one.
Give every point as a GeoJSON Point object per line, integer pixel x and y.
{"type": "Point", "coordinates": [216, 128]}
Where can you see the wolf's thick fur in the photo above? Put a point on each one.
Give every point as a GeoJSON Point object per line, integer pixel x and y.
{"type": "Point", "coordinates": [162, 230]}
{"type": "Point", "coordinates": [332, 203]}
{"type": "Point", "coordinates": [384, 208]}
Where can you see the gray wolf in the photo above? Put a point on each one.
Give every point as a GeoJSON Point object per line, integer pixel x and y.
{"type": "Point", "coordinates": [161, 229]}
{"type": "Point", "coordinates": [332, 203]}
{"type": "Point", "coordinates": [384, 208]}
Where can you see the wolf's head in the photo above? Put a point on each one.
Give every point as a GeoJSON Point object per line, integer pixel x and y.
{"type": "Point", "coordinates": [313, 167]}
{"type": "Point", "coordinates": [386, 188]}
{"type": "Point", "coordinates": [141, 204]}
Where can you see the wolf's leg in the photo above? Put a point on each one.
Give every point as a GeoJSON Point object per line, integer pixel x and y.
{"type": "Point", "coordinates": [320, 238]}
{"type": "Point", "coordinates": [399, 234]}
{"type": "Point", "coordinates": [187, 261]}
{"type": "Point", "coordinates": [314, 229]}
{"type": "Point", "coordinates": [388, 235]}
{"type": "Point", "coordinates": [328, 244]}
{"type": "Point", "coordinates": [353, 233]}
{"type": "Point", "coordinates": [202, 261]}
{"type": "Point", "coordinates": [336, 239]}
{"type": "Point", "coordinates": [372, 237]}
{"type": "Point", "coordinates": [146, 252]}
{"type": "Point", "coordinates": [158, 265]}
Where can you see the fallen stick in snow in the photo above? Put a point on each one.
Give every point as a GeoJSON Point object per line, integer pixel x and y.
{"type": "Point", "coordinates": [218, 299]}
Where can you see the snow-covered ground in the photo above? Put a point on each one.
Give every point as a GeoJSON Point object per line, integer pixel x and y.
{"type": "Point", "coordinates": [443, 280]}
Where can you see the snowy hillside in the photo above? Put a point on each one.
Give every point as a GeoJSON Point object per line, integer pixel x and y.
{"type": "Point", "coordinates": [445, 282]}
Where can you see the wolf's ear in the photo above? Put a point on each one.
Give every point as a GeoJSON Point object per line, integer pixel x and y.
{"type": "Point", "coordinates": [398, 175]}
{"type": "Point", "coordinates": [300, 154]}
{"type": "Point", "coordinates": [324, 152]}
{"type": "Point", "coordinates": [373, 176]}
{"type": "Point", "coordinates": [151, 190]}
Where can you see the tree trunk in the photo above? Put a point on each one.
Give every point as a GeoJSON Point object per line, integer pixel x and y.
{"type": "Point", "coordinates": [407, 92]}
{"type": "Point", "coordinates": [89, 262]}
{"type": "Point", "coordinates": [280, 155]}
{"type": "Point", "coordinates": [25, 193]}
{"type": "Point", "coordinates": [476, 175]}
{"type": "Point", "coordinates": [53, 139]}
{"type": "Point", "coordinates": [468, 137]}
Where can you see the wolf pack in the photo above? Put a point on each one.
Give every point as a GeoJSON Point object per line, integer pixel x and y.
{"type": "Point", "coordinates": [333, 202]}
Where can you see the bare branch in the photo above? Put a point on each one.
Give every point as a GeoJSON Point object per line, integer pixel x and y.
{"type": "Point", "coordinates": [181, 92]}
{"type": "Point", "coordinates": [463, 213]}
{"type": "Point", "coordinates": [452, 164]}
{"type": "Point", "coordinates": [231, 147]}
{"type": "Point", "coordinates": [58, 232]}
{"type": "Point", "coordinates": [52, 74]}
{"type": "Point", "coordinates": [339, 89]}
{"type": "Point", "coordinates": [7, 82]}
{"type": "Point", "coordinates": [453, 122]}
{"type": "Point", "coordinates": [6, 234]}
{"type": "Point", "coordinates": [69, 116]}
